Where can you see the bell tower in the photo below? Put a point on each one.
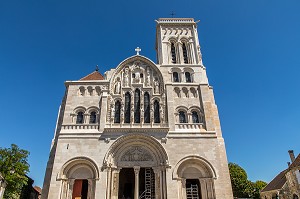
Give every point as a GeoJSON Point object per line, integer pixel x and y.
{"type": "Point", "coordinates": [177, 41]}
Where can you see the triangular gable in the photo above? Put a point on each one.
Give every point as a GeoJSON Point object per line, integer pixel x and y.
{"type": "Point", "coordinates": [276, 183]}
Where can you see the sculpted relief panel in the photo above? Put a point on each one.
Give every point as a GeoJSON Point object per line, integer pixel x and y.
{"type": "Point", "coordinates": [136, 154]}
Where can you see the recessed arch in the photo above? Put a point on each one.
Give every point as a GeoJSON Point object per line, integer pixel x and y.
{"type": "Point", "coordinates": [145, 142]}
{"type": "Point", "coordinates": [206, 170]}
{"type": "Point", "coordinates": [72, 166]}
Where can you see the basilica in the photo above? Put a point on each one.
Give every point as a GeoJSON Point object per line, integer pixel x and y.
{"type": "Point", "coordinates": [142, 130]}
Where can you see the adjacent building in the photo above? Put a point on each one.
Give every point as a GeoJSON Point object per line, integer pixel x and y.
{"type": "Point", "coordinates": [286, 185]}
{"type": "Point", "coordinates": [143, 129]}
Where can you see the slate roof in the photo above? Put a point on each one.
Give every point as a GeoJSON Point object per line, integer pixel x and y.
{"type": "Point", "coordinates": [93, 76]}
{"type": "Point", "coordinates": [280, 179]}
{"type": "Point", "coordinates": [276, 183]}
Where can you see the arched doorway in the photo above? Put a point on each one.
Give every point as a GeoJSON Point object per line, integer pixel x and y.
{"type": "Point", "coordinates": [78, 177]}
{"type": "Point", "coordinates": [195, 177]}
{"type": "Point", "coordinates": [136, 167]}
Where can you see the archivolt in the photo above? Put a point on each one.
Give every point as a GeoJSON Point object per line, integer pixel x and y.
{"type": "Point", "coordinates": [125, 142]}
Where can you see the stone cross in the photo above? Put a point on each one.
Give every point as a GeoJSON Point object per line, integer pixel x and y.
{"type": "Point", "coordinates": [137, 50]}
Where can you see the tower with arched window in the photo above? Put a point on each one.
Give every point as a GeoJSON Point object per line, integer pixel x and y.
{"type": "Point", "coordinates": [143, 130]}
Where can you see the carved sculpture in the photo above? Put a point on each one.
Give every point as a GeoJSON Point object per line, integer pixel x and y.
{"type": "Point", "coordinates": [156, 86]}
{"type": "Point", "coordinates": [118, 86]}
{"type": "Point", "coordinates": [126, 77]}
{"type": "Point", "coordinates": [136, 153]}
{"type": "Point", "coordinates": [147, 81]}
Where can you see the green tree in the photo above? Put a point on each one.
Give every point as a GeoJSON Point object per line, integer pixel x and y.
{"type": "Point", "coordinates": [14, 167]}
{"type": "Point", "coordinates": [241, 186]}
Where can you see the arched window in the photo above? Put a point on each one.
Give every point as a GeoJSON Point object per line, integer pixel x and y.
{"type": "Point", "coordinates": [137, 108]}
{"type": "Point", "coordinates": [79, 119]}
{"type": "Point", "coordinates": [156, 112]}
{"type": "Point", "coordinates": [127, 107]}
{"type": "Point", "coordinates": [184, 52]}
{"type": "Point", "coordinates": [195, 117]}
{"type": "Point", "coordinates": [117, 111]}
{"type": "Point", "coordinates": [175, 77]}
{"type": "Point", "coordinates": [93, 117]}
{"type": "Point", "coordinates": [146, 108]}
{"type": "Point", "coordinates": [173, 53]}
{"type": "Point", "coordinates": [182, 117]}
{"type": "Point", "coordinates": [188, 77]}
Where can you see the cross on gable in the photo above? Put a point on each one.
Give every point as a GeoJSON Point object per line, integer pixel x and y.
{"type": "Point", "coordinates": [137, 50]}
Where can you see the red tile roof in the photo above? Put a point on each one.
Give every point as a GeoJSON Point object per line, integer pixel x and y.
{"type": "Point", "coordinates": [93, 76]}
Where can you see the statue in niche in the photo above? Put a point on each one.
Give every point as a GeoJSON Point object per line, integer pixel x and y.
{"type": "Point", "coordinates": [118, 86]}
{"type": "Point", "coordinates": [112, 113]}
{"type": "Point", "coordinates": [126, 77]}
{"type": "Point", "coordinates": [122, 112]}
{"type": "Point", "coordinates": [147, 77]}
{"type": "Point", "coordinates": [156, 86]}
{"type": "Point", "coordinates": [137, 77]}
{"type": "Point", "coordinates": [162, 114]}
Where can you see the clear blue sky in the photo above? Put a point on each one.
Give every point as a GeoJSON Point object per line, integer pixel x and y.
{"type": "Point", "coordinates": [250, 49]}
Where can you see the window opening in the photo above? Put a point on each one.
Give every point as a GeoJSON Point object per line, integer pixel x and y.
{"type": "Point", "coordinates": [193, 189]}
{"type": "Point", "coordinates": [184, 51]}
{"type": "Point", "coordinates": [188, 77]}
{"type": "Point", "coordinates": [137, 108]}
{"type": "Point", "coordinates": [173, 53]}
{"type": "Point", "coordinates": [127, 107]}
{"type": "Point", "coordinates": [175, 77]}
{"type": "Point", "coordinates": [146, 108]}
{"type": "Point", "coordinates": [93, 117]}
{"type": "Point", "coordinates": [156, 112]}
{"type": "Point", "coordinates": [117, 112]}
{"type": "Point", "coordinates": [195, 117]}
{"type": "Point", "coordinates": [79, 119]}
{"type": "Point", "coordinates": [182, 118]}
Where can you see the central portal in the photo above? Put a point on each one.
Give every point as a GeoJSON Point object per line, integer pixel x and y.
{"type": "Point", "coordinates": [146, 183]}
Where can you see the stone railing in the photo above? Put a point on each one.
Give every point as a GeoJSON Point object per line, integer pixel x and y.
{"type": "Point", "coordinates": [80, 126]}
{"type": "Point", "coordinates": [187, 126]}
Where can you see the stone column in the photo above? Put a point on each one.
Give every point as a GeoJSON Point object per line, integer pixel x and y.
{"type": "Point", "coordinates": [115, 183]}
{"type": "Point", "coordinates": [164, 184]}
{"type": "Point", "coordinates": [157, 173]}
{"type": "Point", "coordinates": [203, 188]}
{"type": "Point", "coordinates": [64, 189]}
{"type": "Point", "coordinates": [136, 181]}
{"type": "Point", "coordinates": [210, 188]}
{"type": "Point", "coordinates": [70, 188]}
{"type": "Point", "coordinates": [108, 189]}
{"type": "Point", "coordinates": [183, 188]}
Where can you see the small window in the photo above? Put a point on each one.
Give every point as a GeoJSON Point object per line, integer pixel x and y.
{"type": "Point", "coordinates": [175, 77]}
{"type": "Point", "coordinates": [79, 119]}
{"type": "Point", "coordinates": [184, 51]}
{"type": "Point", "coordinates": [117, 112]}
{"type": "Point", "coordinates": [141, 75]}
{"type": "Point", "coordinates": [195, 117]}
{"type": "Point", "coordinates": [93, 117]}
{"type": "Point", "coordinates": [188, 77]}
{"type": "Point", "coordinates": [173, 53]}
{"type": "Point", "coordinates": [156, 112]}
{"type": "Point", "coordinates": [133, 75]}
{"type": "Point", "coordinates": [182, 117]}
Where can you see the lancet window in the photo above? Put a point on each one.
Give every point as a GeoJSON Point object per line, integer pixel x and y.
{"type": "Point", "coordinates": [173, 53]}
{"type": "Point", "coordinates": [127, 107]}
{"type": "Point", "coordinates": [188, 77]}
{"type": "Point", "coordinates": [175, 77]}
{"type": "Point", "coordinates": [146, 108]}
{"type": "Point", "coordinates": [184, 52]}
{"type": "Point", "coordinates": [137, 107]}
{"type": "Point", "coordinates": [156, 112]}
{"type": "Point", "coordinates": [117, 111]}
{"type": "Point", "coordinates": [182, 117]}
{"type": "Point", "coordinates": [79, 119]}
{"type": "Point", "coordinates": [195, 117]}
{"type": "Point", "coordinates": [93, 117]}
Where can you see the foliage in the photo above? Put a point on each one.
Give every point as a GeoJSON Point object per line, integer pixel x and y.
{"type": "Point", "coordinates": [241, 186]}
{"type": "Point", "coordinates": [14, 167]}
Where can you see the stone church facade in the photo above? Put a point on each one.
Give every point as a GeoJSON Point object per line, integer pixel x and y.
{"type": "Point", "coordinates": [143, 130]}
